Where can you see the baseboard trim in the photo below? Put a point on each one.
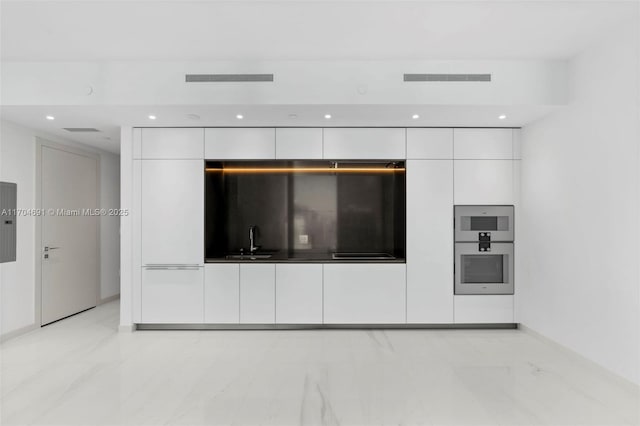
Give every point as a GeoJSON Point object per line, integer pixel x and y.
{"type": "Point", "coordinates": [109, 299]}
{"type": "Point", "coordinates": [127, 328]}
{"type": "Point", "coordinates": [18, 332]}
{"type": "Point", "coordinates": [508, 326]}
{"type": "Point", "coordinates": [623, 381]}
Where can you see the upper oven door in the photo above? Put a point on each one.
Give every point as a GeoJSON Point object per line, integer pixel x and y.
{"type": "Point", "coordinates": [484, 272]}
{"type": "Point", "coordinates": [470, 221]}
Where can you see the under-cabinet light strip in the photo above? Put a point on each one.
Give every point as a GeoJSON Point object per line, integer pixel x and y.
{"type": "Point", "coordinates": [305, 170]}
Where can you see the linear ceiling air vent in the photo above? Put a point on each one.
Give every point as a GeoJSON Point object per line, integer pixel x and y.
{"type": "Point", "coordinates": [447, 77]}
{"type": "Point", "coordinates": [81, 129]}
{"type": "Point", "coordinates": [226, 78]}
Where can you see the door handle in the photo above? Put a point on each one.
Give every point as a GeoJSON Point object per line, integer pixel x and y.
{"type": "Point", "coordinates": [47, 248]}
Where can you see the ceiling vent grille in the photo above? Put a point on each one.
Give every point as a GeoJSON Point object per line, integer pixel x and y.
{"type": "Point", "coordinates": [227, 78]}
{"type": "Point", "coordinates": [447, 77]}
{"type": "Point", "coordinates": [81, 129]}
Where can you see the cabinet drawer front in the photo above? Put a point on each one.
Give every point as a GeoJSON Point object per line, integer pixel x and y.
{"type": "Point", "coordinates": [240, 144]}
{"type": "Point", "coordinates": [483, 309]}
{"type": "Point", "coordinates": [365, 294]}
{"type": "Point", "coordinates": [172, 295]}
{"type": "Point", "coordinates": [163, 143]}
{"type": "Point", "coordinates": [379, 143]}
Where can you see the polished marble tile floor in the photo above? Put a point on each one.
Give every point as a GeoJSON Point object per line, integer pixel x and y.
{"type": "Point", "coordinates": [81, 371]}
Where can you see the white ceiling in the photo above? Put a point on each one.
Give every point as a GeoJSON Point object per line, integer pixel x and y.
{"type": "Point", "coordinates": [150, 30]}
{"type": "Point", "coordinates": [291, 30]}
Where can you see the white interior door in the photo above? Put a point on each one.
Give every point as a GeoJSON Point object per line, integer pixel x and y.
{"type": "Point", "coordinates": [70, 264]}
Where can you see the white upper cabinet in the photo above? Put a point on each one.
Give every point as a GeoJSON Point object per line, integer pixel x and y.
{"type": "Point", "coordinates": [240, 143]}
{"type": "Point", "coordinates": [298, 144]}
{"type": "Point", "coordinates": [430, 144]}
{"type": "Point", "coordinates": [257, 293]}
{"type": "Point", "coordinates": [174, 143]}
{"type": "Point", "coordinates": [483, 144]}
{"type": "Point", "coordinates": [365, 293]}
{"type": "Point", "coordinates": [430, 241]}
{"type": "Point", "coordinates": [371, 143]}
{"type": "Point", "coordinates": [298, 293]}
{"type": "Point", "coordinates": [172, 212]}
{"type": "Point", "coordinates": [484, 182]}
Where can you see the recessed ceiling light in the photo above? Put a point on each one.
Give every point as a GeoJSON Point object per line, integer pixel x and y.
{"type": "Point", "coordinates": [415, 116]}
{"type": "Point", "coordinates": [152, 117]}
{"type": "Point", "coordinates": [50, 117]}
{"type": "Point", "coordinates": [502, 117]}
{"type": "Point", "coordinates": [239, 116]}
{"type": "Point", "coordinates": [327, 116]}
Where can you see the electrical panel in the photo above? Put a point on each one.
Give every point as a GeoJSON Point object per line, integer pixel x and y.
{"type": "Point", "coordinates": [8, 200]}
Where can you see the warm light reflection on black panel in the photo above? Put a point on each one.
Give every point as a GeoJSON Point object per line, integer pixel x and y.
{"type": "Point", "coordinates": [299, 212]}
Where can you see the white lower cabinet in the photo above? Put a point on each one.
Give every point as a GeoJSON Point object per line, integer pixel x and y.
{"type": "Point", "coordinates": [257, 293]}
{"type": "Point", "coordinates": [299, 294]}
{"type": "Point", "coordinates": [172, 295]}
{"type": "Point", "coordinates": [222, 293]}
{"type": "Point", "coordinates": [365, 294]}
{"type": "Point", "coordinates": [483, 309]}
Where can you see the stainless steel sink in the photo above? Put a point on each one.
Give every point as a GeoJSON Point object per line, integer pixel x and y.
{"type": "Point", "coordinates": [247, 256]}
{"type": "Point", "coordinates": [362, 256]}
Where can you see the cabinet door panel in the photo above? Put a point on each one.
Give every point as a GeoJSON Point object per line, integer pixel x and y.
{"type": "Point", "coordinates": [488, 144]}
{"type": "Point", "coordinates": [172, 212]}
{"type": "Point", "coordinates": [257, 294]}
{"type": "Point", "coordinates": [378, 143]}
{"type": "Point", "coordinates": [298, 294]}
{"type": "Point", "coordinates": [222, 293]}
{"type": "Point", "coordinates": [484, 309]}
{"type": "Point", "coordinates": [164, 143]}
{"type": "Point", "coordinates": [484, 182]}
{"type": "Point", "coordinates": [172, 296]}
{"type": "Point", "coordinates": [430, 144]}
{"type": "Point", "coordinates": [364, 294]}
{"type": "Point", "coordinates": [240, 144]}
{"type": "Point", "coordinates": [298, 144]}
{"type": "Point", "coordinates": [430, 241]}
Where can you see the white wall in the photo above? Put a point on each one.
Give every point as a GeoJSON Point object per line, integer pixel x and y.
{"type": "Point", "coordinates": [109, 225]}
{"type": "Point", "coordinates": [17, 159]}
{"type": "Point", "coordinates": [580, 211]}
{"type": "Point", "coordinates": [17, 279]}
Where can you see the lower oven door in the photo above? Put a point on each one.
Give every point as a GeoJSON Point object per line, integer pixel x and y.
{"type": "Point", "coordinates": [484, 272]}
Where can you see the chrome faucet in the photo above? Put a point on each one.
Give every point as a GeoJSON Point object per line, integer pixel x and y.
{"type": "Point", "coordinates": [252, 239]}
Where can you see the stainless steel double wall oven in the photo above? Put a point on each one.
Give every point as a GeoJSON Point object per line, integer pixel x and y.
{"type": "Point", "coordinates": [483, 249]}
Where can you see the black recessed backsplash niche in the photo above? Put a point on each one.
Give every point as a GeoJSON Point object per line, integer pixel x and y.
{"type": "Point", "coordinates": [305, 209]}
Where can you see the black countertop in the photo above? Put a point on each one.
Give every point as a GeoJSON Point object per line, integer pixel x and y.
{"type": "Point", "coordinates": [284, 257]}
